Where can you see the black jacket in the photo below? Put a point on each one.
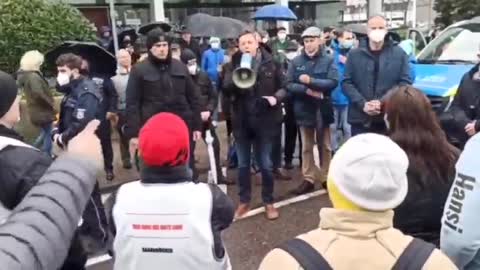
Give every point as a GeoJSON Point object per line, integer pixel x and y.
{"type": "Point", "coordinates": [251, 112]}
{"type": "Point", "coordinates": [109, 95]}
{"type": "Point", "coordinates": [80, 105]}
{"type": "Point", "coordinates": [208, 96]}
{"type": "Point", "coordinates": [161, 87]}
{"type": "Point", "coordinates": [420, 214]}
{"type": "Point", "coordinates": [465, 108]}
{"type": "Point", "coordinates": [20, 169]}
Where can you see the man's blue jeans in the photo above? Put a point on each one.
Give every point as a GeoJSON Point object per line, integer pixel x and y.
{"type": "Point", "coordinates": [262, 154]}
{"type": "Point", "coordinates": [44, 139]}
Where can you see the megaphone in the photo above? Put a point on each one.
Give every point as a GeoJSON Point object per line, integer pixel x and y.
{"type": "Point", "coordinates": [244, 77]}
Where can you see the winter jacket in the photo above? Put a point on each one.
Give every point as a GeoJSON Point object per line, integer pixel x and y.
{"type": "Point", "coordinates": [324, 78]}
{"type": "Point", "coordinates": [37, 233]}
{"type": "Point", "coordinates": [361, 84]}
{"type": "Point", "coordinates": [80, 105]}
{"type": "Point", "coordinates": [211, 60]}
{"type": "Point", "coordinates": [250, 111]}
{"type": "Point", "coordinates": [355, 240]}
{"type": "Point", "coordinates": [20, 168]}
{"type": "Point", "coordinates": [197, 212]}
{"type": "Point", "coordinates": [338, 95]}
{"type": "Point", "coordinates": [161, 87]}
{"type": "Point", "coordinates": [40, 102]}
{"type": "Point", "coordinates": [193, 46]}
{"type": "Point", "coordinates": [460, 236]}
{"type": "Point", "coordinates": [465, 107]}
{"type": "Point", "coordinates": [208, 95]}
{"type": "Point", "coordinates": [420, 213]}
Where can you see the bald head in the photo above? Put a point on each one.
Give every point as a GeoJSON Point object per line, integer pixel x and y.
{"type": "Point", "coordinates": [377, 22]}
{"type": "Point", "coordinates": [124, 59]}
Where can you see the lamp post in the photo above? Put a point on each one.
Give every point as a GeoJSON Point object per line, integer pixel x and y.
{"type": "Point", "coordinates": [114, 25]}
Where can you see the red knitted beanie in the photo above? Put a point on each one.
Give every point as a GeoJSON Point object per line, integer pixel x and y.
{"type": "Point", "coordinates": [164, 141]}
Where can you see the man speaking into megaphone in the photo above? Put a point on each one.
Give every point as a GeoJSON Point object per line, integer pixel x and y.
{"type": "Point", "coordinates": [256, 86]}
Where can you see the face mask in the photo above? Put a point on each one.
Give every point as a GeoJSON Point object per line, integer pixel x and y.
{"type": "Point", "coordinates": [377, 35]}
{"type": "Point", "coordinates": [63, 79]}
{"type": "Point", "coordinates": [282, 36]}
{"type": "Point", "coordinates": [192, 69]}
{"type": "Point", "coordinates": [387, 124]}
{"type": "Point", "coordinates": [215, 45]}
{"type": "Point", "coordinates": [347, 44]}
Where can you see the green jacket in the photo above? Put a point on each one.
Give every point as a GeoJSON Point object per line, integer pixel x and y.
{"type": "Point", "coordinates": [40, 102]}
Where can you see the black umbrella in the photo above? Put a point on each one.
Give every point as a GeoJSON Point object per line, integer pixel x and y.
{"type": "Point", "coordinates": [144, 29]}
{"type": "Point", "coordinates": [204, 25]}
{"type": "Point", "coordinates": [132, 33]}
{"type": "Point", "coordinates": [358, 29]}
{"type": "Point", "coordinates": [101, 61]}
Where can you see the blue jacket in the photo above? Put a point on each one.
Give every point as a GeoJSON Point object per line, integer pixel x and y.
{"type": "Point", "coordinates": [323, 72]}
{"type": "Point", "coordinates": [460, 236]}
{"type": "Point", "coordinates": [338, 96]}
{"type": "Point", "coordinates": [211, 59]}
{"type": "Point", "coordinates": [80, 105]}
{"type": "Point", "coordinates": [359, 80]}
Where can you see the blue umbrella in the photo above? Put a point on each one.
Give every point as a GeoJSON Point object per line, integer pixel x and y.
{"type": "Point", "coordinates": [275, 12]}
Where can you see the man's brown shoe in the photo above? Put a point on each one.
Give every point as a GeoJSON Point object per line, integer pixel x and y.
{"type": "Point", "coordinates": [242, 210]}
{"type": "Point", "coordinates": [271, 212]}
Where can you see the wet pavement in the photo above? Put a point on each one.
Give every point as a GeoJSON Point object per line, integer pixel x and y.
{"type": "Point", "coordinates": [247, 240]}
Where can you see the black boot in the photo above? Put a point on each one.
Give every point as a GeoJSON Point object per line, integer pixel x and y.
{"type": "Point", "coordinates": [305, 187]}
{"type": "Point", "coordinates": [109, 175]}
{"type": "Point", "coordinates": [288, 165]}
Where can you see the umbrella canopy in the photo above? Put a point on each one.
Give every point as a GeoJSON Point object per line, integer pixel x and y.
{"type": "Point", "coordinates": [358, 29]}
{"type": "Point", "coordinates": [101, 61]}
{"type": "Point", "coordinates": [132, 33]}
{"type": "Point", "coordinates": [204, 25]}
{"type": "Point", "coordinates": [144, 29]}
{"type": "Point", "coordinates": [275, 12]}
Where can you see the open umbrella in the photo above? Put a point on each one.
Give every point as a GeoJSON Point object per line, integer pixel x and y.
{"type": "Point", "coordinates": [144, 29]}
{"type": "Point", "coordinates": [101, 61]}
{"type": "Point", "coordinates": [275, 12]}
{"type": "Point", "coordinates": [204, 25]}
{"type": "Point", "coordinates": [358, 29]}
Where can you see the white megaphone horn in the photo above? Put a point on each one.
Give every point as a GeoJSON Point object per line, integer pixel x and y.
{"type": "Point", "coordinates": [244, 77]}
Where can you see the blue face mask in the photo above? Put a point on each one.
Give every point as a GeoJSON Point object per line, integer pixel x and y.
{"type": "Point", "coordinates": [346, 44]}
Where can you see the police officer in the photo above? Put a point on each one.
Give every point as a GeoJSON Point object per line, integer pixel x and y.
{"type": "Point", "coordinates": [79, 106]}
{"type": "Point", "coordinates": [108, 107]}
{"type": "Point", "coordinates": [161, 84]}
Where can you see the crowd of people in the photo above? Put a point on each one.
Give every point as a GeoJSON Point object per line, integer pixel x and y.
{"type": "Point", "coordinates": [403, 196]}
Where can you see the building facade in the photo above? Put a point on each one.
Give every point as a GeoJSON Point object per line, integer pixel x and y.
{"type": "Point", "coordinates": [137, 12]}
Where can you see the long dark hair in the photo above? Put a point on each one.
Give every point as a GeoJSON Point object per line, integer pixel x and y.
{"type": "Point", "coordinates": [414, 126]}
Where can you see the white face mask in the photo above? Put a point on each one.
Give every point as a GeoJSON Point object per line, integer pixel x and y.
{"type": "Point", "coordinates": [192, 69]}
{"type": "Point", "coordinates": [387, 124]}
{"type": "Point", "coordinates": [215, 45]}
{"type": "Point", "coordinates": [377, 35]}
{"type": "Point", "coordinates": [63, 79]}
{"type": "Point", "coordinates": [282, 36]}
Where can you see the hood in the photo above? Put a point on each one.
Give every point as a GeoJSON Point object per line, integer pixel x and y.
{"type": "Point", "coordinates": [439, 80]}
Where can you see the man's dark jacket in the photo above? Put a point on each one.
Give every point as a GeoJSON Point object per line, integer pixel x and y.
{"type": "Point", "coordinates": [465, 108]}
{"type": "Point", "coordinates": [359, 79]}
{"type": "Point", "coordinates": [324, 78]}
{"type": "Point", "coordinates": [20, 170]}
{"type": "Point", "coordinates": [251, 112]}
{"type": "Point", "coordinates": [208, 96]}
{"type": "Point", "coordinates": [155, 87]}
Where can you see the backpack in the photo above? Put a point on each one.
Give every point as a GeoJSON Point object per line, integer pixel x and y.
{"type": "Point", "coordinates": [412, 258]}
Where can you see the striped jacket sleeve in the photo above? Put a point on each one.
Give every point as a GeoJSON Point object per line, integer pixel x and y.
{"type": "Point", "coordinates": [36, 235]}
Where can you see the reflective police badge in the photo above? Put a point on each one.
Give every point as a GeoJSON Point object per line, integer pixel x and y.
{"type": "Point", "coordinates": [80, 114]}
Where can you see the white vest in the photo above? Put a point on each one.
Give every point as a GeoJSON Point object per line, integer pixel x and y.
{"type": "Point", "coordinates": [165, 226]}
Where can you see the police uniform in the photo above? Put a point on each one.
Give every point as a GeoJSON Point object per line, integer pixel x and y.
{"type": "Point", "coordinates": [80, 105]}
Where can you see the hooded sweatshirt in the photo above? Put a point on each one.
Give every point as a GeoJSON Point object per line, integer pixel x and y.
{"type": "Point", "coordinates": [460, 236]}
